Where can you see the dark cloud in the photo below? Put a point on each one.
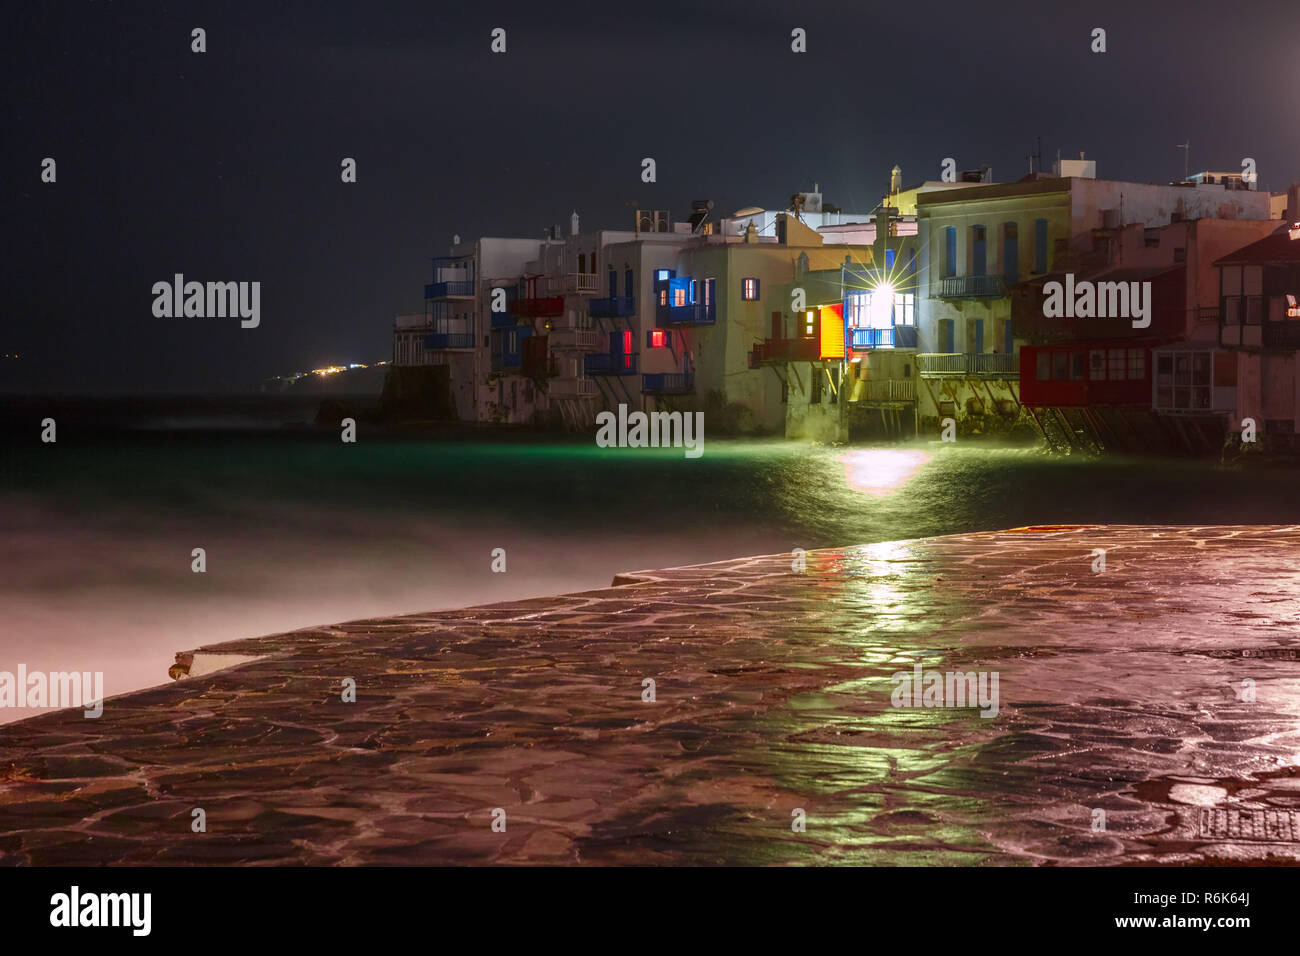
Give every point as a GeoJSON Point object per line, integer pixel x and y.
{"type": "Point", "coordinates": [225, 165]}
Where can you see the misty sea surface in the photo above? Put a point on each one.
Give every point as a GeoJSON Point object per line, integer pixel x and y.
{"type": "Point", "coordinates": [301, 529]}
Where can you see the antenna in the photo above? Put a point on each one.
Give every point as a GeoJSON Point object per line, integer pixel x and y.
{"type": "Point", "coordinates": [1187, 153]}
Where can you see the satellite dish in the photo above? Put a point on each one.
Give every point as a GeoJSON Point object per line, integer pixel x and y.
{"type": "Point", "coordinates": [748, 211]}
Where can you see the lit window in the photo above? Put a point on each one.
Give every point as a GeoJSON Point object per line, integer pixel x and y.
{"type": "Point", "coordinates": [749, 290]}
{"type": "Point", "coordinates": [679, 297]}
{"type": "Point", "coordinates": [663, 297]}
{"type": "Point", "coordinates": [661, 275]}
{"type": "Point", "coordinates": [858, 303]}
{"type": "Point", "coordinates": [658, 339]}
{"type": "Point", "coordinates": [904, 306]}
{"type": "Point", "coordinates": [810, 323]}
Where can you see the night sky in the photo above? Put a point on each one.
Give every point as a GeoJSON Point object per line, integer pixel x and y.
{"type": "Point", "coordinates": [225, 165]}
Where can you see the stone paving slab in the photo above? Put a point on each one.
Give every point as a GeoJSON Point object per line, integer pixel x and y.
{"type": "Point", "coordinates": [1125, 693]}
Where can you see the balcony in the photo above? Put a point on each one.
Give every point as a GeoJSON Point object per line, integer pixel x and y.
{"type": "Point", "coordinates": [415, 320]}
{"type": "Point", "coordinates": [1281, 335]}
{"type": "Point", "coordinates": [572, 387]}
{"type": "Point", "coordinates": [968, 365]}
{"type": "Point", "coordinates": [503, 320]}
{"type": "Point", "coordinates": [456, 289]}
{"type": "Point", "coordinates": [610, 363]}
{"type": "Point", "coordinates": [888, 390]}
{"type": "Point", "coordinates": [668, 383]}
{"type": "Point", "coordinates": [615, 307]}
{"type": "Point", "coordinates": [898, 337]}
{"type": "Point", "coordinates": [577, 340]}
{"type": "Point", "coordinates": [972, 287]}
{"type": "Point", "coordinates": [449, 341]}
{"type": "Point", "coordinates": [781, 351]}
{"type": "Point", "coordinates": [569, 283]}
{"type": "Point", "coordinates": [540, 306]}
{"type": "Point", "coordinates": [578, 283]}
{"type": "Point", "coordinates": [697, 313]}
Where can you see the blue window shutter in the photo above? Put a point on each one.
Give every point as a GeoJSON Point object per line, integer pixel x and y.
{"type": "Point", "coordinates": [627, 284]}
{"type": "Point", "coordinates": [613, 283]}
{"type": "Point", "coordinates": [950, 251]}
{"type": "Point", "coordinates": [757, 294]}
{"type": "Point", "coordinates": [1040, 245]}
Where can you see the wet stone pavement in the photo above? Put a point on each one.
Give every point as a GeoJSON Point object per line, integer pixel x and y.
{"type": "Point", "coordinates": [1125, 698]}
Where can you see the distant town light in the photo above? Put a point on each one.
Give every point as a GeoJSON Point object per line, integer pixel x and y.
{"type": "Point", "coordinates": [1294, 231]}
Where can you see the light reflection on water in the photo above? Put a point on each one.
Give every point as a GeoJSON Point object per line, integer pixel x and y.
{"type": "Point", "coordinates": [303, 530]}
{"type": "Point", "coordinates": [880, 471]}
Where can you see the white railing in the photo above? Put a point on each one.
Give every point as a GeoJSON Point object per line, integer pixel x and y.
{"type": "Point", "coordinates": [993, 364]}
{"type": "Point", "coordinates": [579, 387]}
{"type": "Point", "coordinates": [584, 340]}
{"type": "Point", "coordinates": [571, 283]}
{"type": "Point", "coordinates": [416, 320]}
{"type": "Point", "coordinates": [890, 390]}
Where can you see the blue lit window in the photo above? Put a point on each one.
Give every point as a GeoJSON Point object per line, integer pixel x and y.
{"type": "Point", "coordinates": [662, 275]}
{"type": "Point", "coordinates": [889, 258]}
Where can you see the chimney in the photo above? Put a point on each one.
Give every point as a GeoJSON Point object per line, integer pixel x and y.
{"type": "Point", "coordinates": [884, 215]}
{"type": "Point", "coordinates": [1293, 202]}
{"type": "Point", "coordinates": [573, 223]}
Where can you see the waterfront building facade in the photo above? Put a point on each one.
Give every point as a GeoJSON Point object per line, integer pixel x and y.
{"type": "Point", "coordinates": [990, 246]}
{"type": "Point", "coordinates": [1259, 321]}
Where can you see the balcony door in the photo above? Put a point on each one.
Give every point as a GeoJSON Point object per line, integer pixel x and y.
{"type": "Point", "coordinates": [978, 332]}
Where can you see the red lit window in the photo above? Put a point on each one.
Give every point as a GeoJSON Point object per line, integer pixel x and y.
{"type": "Point", "coordinates": [658, 339]}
